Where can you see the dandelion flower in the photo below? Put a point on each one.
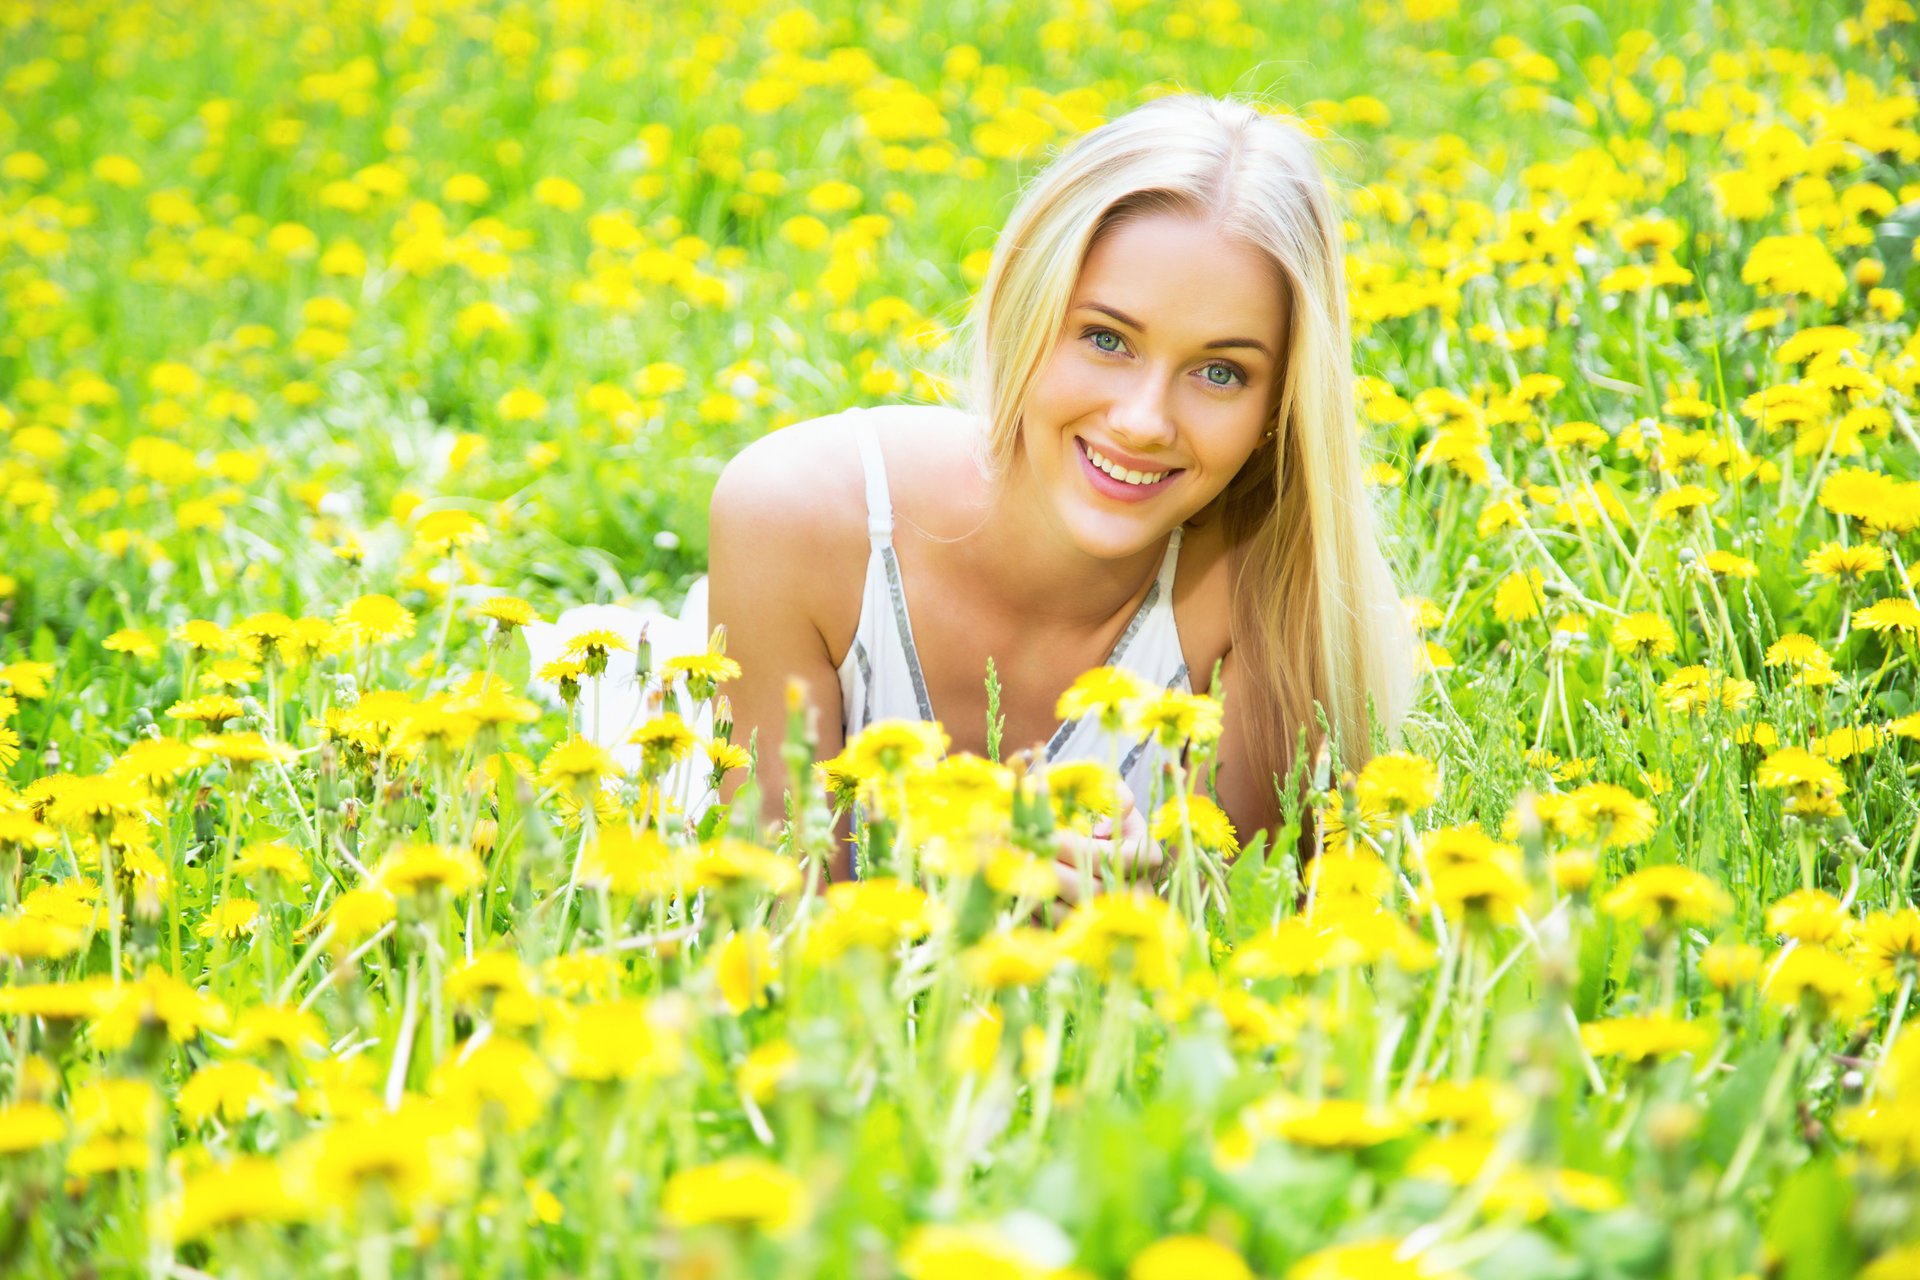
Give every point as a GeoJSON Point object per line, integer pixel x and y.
{"type": "Point", "coordinates": [1810, 917]}
{"type": "Point", "coordinates": [233, 918]}
{"type": "Point", "coordinates": [876, 913]}
{"type": "Point", "coordinates": [663, 741]}
{"type": "Point", "coordinates": [230, 1090]}
{"type": "Point", "coordinates": [1517, 598]}
{"type": "Point", "coordinates": [1397, 782]}
{"type": "Point", "coordinates": [1814, 784]}
{"type": "Point", "coordinates": [1174, 718]}
{"type": "Point", "coordinates": [243, 750]}
{"type": "Point", "coordinates": [1127, 934]}
{"type": "Point", "coordinates": [25, 1126]}
{"type": "Point", "coordinates": [1819, 985]}
{"type": "Point", "coordinates": [1636, 1039]}
{"type": "Point", "coordinates": [1020, 957]}
{"type": "Point", "coordinates": [1833, 560]}
{"type": "Point", "coordinates": [248, 1189]}
{"type": "Point", "coordinates": [132, 642]}
{"type": "Point", "coordinates": [1896, 613]}
{"type": "Point", "coordinates": [27, 679]}
{"type": "Point", "coordinates": [702, 672]}
{"type": "Point", "coordinates": [1372, 1260]}
{"type": "Point", "coordinates": [890, 748]}
{"type": "Point", "coordinates": [1681, 499]}
{"type": "Point", "coordinates": [375, 619]}
{"type": "Point", "coordinates": [1889, 943]}
{"type": "Point", "coordinates": [1211, 827]}
{"type": "Point", "coordinates": [1082, 789]}
{"type": "Point", "coordinates": [1113, 694]}
{"type": "Point", "coordinates": [575, 764]}
{"type": "Point", "coordinates": [1666, 895]}
{"type": "Point", "coordinates": [507, 612]}
{"type": "Point", "coordinates": [446, 531]}
{"type": "Point", "coordinates": [428, 868]}
{"type": "Point", "coordinates": [1728, 965]}
{"type": "Point", "coordinates": [1182, 1257]}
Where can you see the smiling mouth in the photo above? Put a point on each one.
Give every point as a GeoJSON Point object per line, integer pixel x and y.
{"type": "Point", "coordinates": [1114, 471]}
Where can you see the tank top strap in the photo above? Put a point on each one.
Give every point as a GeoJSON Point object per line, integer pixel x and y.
{"type": "Point", "coordinates": [879, 505]}
{"type": "Point", "coordinates": [1169, 562]}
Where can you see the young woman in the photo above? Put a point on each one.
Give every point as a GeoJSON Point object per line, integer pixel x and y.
{"type": "Point", "coordinates": [1158, 467]}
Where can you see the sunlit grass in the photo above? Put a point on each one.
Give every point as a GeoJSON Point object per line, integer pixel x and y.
{"type": "Point", "coordinates": [339, 341]}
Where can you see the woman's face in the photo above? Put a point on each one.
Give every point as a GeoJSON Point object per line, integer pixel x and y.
{"type": "Point", "coordinates": [1161, 384]}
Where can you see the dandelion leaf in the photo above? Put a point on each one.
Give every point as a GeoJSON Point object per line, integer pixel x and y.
{"type": "Point", "coordinates": [1808, 1224]}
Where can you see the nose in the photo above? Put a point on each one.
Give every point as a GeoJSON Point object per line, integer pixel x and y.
{"type": "Point", "coordinates": [1141, 415]}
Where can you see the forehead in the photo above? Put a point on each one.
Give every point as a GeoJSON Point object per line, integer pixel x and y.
{"type": "Point", "coordinates": [1182, 272]}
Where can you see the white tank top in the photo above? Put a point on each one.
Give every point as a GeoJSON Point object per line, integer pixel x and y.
{"type": "Point", "coordinates": [880, 678]}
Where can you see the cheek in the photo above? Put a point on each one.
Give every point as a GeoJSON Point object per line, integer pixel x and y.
{"type": "Point", "coordinates": [1067, 381]}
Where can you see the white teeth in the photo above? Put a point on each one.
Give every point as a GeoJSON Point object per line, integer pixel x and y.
{"type": "Point", "coordinates": [1121, 473]}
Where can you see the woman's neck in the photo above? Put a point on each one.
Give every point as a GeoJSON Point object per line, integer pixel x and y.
{"type": "Point", "coordinates": [1029, 563]}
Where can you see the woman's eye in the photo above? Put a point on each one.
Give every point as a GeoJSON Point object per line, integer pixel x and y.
{"type": "Point", "coordinates": [1113, 344]}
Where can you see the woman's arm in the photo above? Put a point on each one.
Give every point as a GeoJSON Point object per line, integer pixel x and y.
{"type": "Point", "coordinates": [765, 574]}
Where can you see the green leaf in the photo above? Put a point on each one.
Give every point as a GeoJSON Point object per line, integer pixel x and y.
{"type": "Point", "coordinates": [1736, 1103]}
{"type": "Point", "coordinates": [1808, 1226]}
{"type": "Point", "coordinates": [1626, 1243]}
{"type": "Point", "coordinates": [1528, 1255]}
{"type": "Point", "coordinates": [711, 822]}
{"type": "Point", "coordinates": [1596, 945]}
{"type": "Point", "coordinates": [1253, 887]}
{"type": "Point", "coordinates": [1893, 241]}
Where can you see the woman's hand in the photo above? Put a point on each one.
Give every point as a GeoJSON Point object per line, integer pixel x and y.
{"type": "Point", "coordinates": [1081, 860]}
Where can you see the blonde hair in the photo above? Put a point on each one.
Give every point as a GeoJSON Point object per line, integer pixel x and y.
{"type": "Point", "coordinates": [1316, 615]}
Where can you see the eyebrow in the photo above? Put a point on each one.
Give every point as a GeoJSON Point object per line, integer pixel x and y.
{"type": "Point", "coordinates": [1216, 344]}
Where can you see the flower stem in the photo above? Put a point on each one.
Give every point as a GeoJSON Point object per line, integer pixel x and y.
{"type": "Point", "coordinates": [1769, 1103]}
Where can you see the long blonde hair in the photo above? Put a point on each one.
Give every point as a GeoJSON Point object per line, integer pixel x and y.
{"type": "Point", "coordinates": [1316, 615]}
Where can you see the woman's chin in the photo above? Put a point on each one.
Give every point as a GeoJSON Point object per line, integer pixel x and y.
{"type": "Point", "coordinates": [1105, 537]}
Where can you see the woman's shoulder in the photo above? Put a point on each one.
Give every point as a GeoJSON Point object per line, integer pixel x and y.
{"type": "Point", "coordinates": [801, 471]}
{"type": "Point", "coordinates": [798, 497]}
{"type": "Point", "coordinates": [809, 478]}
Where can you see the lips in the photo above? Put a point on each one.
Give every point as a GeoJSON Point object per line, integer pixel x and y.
{"type": "Point", "coordinates": [1120, 490]}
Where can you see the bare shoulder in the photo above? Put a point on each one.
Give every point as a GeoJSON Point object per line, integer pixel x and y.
{"type": "Point", "coordinates": [790, 510]}
{"type": "Point", "coordinates": [808, 478]}
{"type": "Point", "coordinates": [795, 479]}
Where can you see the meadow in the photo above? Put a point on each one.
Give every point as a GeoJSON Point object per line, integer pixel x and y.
{"type": "Point", "coordinates": [341, 340]}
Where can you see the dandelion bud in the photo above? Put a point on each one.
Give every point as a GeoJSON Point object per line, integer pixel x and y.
{"type": "Point", "coordinates": [723, 718]}
{"type": "Point", "coordinates": [643, 653]}
{"type": "Point", "coordinates": [1869, 272]}
{"type": "Point", "coordinates": [1574, 869]}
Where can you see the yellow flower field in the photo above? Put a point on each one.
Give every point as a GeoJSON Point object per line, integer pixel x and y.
{"type": "Point", "coordinates": [341, 340]}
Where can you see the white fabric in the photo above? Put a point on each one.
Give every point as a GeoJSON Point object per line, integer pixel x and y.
{"type": "Point", "coordinates": [880, 677]}
{"type": "Point", "coordinates": [623, 699]}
